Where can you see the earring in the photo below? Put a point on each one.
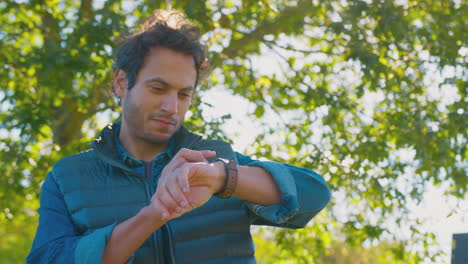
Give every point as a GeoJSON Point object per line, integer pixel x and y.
{"type": "Point", "coordinates": [118, 100]}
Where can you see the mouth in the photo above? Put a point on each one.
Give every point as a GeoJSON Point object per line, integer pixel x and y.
{"type": "Point", "coordinates": [165, 122]}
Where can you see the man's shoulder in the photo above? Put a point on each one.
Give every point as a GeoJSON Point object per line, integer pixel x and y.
{"type": "Point", "coordinates": [211, 143]}
{"type": "Point", "coordinates": [77, 160]}
{"type": "Point", "coordinates": [76, 170]}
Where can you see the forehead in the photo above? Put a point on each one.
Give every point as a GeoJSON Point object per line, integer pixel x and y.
{"type": "Point", "coordinates": [176, 68]}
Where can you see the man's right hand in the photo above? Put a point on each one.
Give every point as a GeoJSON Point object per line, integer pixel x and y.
{"type": "Point", "coordinates": [174, 196]}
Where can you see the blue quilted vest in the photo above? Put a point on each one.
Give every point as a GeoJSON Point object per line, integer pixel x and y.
{"type": "Point", "coordinates": [100, 190]}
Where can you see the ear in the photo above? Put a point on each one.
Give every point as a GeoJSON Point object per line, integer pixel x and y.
{"type": "Point", "coordinates": [120, 83]}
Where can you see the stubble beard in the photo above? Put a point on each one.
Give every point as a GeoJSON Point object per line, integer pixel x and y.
{"type": "Point", "coordinates": [150, 138]}
{"type": "Point", "coordinates": [136, 123]}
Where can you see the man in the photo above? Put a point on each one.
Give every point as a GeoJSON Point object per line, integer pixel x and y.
{"type": "Point", "coordinates": [150, 191]}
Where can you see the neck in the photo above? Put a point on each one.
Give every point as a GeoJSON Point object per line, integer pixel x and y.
{"type": "Point", "coordinates": [139, 148]}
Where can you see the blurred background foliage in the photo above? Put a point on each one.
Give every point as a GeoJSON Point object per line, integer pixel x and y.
{"type": "Point", "coordinates": [356, 90]}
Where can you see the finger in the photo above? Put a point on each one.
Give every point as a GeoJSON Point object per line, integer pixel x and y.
{"type": "Point", "coordinates": [188, 155]}
{"type": "Point", "coordinates": [191, 155]}
{"type": "Point", "coordinates": [183, 174]}
{"type": "Point", "coordinates": [175, 163]}
{"type": "Point", "coordinates": [159, 203]}
{"type": "Point", "coordinates": [208, 153]}
{"type": "Point", "coordinates": [166, 199]}
{"type": "Point", "coordinates": [176, 191]}
{"type": "Point", "coordinates": [164, 212]}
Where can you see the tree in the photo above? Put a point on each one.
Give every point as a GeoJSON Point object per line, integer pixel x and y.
{"type": "Point", "coordinates": [336, 251]}
{"type": "Point", "coordinates": [352, 93]}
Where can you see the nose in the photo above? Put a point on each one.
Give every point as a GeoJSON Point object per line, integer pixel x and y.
{"type": "Point", "coordinates": [169, 104]}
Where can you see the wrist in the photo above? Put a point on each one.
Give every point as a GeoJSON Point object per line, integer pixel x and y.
{"type": "Point", "coordinates": [220, 179]}
{"type": "Point", "coordinates": [152, 214]}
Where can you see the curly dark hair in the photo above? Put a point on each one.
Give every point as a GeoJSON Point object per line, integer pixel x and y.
{"type": "Point", "coordinates": [169, 29]}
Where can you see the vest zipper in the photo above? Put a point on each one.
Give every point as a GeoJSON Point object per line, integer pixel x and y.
{"type": "Point", "coordinates": [170, 246]}
{"type": "Point", "coordinates": [148, 185]}
{"type": "Point", "coordinates": [167, 227]}
{"type": "Point", "coordinates": [157, 248]}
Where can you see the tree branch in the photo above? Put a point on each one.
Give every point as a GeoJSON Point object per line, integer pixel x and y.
{"type": "Point", "coordinates": [291, 48]}
{"type": "Point", "coordinates": [86, 11]}
{"type": "Point", "coordinates": [273, 26]}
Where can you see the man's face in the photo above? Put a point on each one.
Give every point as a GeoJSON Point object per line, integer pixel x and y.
{"type": "Point", "coordinates": [154, 108]}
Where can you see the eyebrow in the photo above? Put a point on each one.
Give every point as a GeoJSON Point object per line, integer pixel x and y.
{"type": "Point", "coordinates": [163, 82]}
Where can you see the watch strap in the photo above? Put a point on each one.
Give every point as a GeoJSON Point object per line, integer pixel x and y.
{"type": "Point", "coordinates": [230, 183]}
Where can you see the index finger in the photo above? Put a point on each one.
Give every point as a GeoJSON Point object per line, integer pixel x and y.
{"type": "Point", "coordinates": [189, 155]}
{"type": "Point", "coordinates": [195, 155]}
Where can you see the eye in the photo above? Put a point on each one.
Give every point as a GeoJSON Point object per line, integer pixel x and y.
{"type": "Point", "coordinates": [156, 88]}
{"type": "Point", "coordinates": [185, 95]}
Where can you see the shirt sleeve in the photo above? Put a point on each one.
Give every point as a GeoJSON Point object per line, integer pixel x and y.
{"type": "Point", "coordinates": [304, 194]}
{"type": "Point", "coordinates": [57, 240]}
